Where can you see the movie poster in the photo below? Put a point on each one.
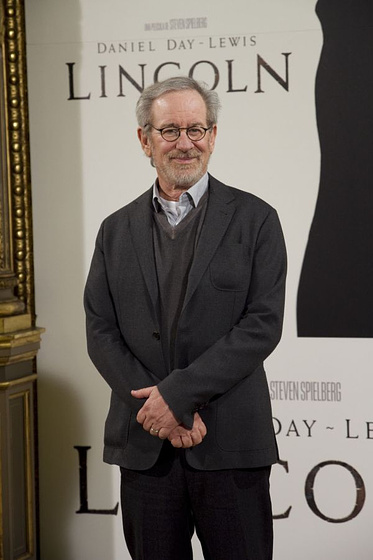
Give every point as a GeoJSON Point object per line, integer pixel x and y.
{"type": "Point", "coordinates": [295, 81]}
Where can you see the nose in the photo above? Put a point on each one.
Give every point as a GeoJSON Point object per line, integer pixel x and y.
{"type": "Point", "coordinates": [183, 142]}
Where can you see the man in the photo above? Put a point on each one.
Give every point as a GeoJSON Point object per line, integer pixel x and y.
{"type": "Point", "coordinates": [184, 301]}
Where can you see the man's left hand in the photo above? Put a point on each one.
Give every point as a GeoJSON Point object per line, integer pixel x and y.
{"type": "Point", "coordinates": [182, 437]}
{"type": "Point", "coordinates": [155, 415]}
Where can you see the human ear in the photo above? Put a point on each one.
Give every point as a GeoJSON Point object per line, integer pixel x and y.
{"type": "Point", "coordinates": [144, 141]}
{"type": "Point", "coordinates": [212, 137]}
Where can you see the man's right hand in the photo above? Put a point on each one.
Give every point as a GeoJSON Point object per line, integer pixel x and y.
{"type": "Point", "coordinates": [182, 437]}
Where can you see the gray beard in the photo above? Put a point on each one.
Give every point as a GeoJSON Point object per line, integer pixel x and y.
{"type": "Point", "coordinates": [183, 178]}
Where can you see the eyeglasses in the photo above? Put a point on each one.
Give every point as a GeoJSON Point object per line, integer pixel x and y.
{"type": "Point", "coordinates": [170, 133]}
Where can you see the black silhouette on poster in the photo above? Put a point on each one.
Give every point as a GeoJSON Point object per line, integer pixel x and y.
{"type": "Point", "coordinates": [335, 295]}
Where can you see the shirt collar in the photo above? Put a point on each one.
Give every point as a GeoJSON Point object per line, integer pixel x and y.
{"type": "Point", "coordinates": [194, 193]}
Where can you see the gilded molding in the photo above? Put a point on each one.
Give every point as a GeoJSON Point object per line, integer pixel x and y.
{"type": "Point", "coordinates": [19, 337]}
{"type": "Point", "coordinates": [5, 385]}
{"type": "Point", "coordinates": [14, 323]}
{"type": "Point", "coordinates": [25, 397]}
{"type": "Point", "coordinates": [1, 511]}
{"type": "Point", "coordinates": [21, 346]}
{"type": "Point", "coordinates": [18, 159]}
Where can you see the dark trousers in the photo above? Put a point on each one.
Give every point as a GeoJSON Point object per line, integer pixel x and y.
{"type": "Point", "coordinates": [229, 509]}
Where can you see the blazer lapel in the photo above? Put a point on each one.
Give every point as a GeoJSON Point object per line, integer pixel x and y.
{"type": "Point", "coordinates": [141, 226]}
{"type": "Point", "coordinates": [218, 216]}
{"type": "Point", "coordinates": [219, 213]}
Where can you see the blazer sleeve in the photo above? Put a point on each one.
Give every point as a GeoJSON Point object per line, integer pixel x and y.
{"type": "Point", "coordinates": [107, 348]}
{"type": "Point", "coordinates": [243, 349]}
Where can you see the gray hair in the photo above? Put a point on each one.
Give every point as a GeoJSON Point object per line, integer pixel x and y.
{"type": "Point", "coordinates": [178, 83]}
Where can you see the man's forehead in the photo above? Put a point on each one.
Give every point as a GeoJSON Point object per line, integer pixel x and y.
{"type": "Point", "coordinates": [184, 103]}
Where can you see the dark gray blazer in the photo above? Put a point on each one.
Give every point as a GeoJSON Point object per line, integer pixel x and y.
{"type": "Point", "coordinates": [231, 321]}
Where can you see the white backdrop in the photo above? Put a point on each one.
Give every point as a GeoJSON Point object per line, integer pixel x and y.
{"type": "Point", "coordinates": [84, 60]}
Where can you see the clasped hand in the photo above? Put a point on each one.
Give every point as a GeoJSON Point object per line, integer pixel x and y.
{"type": "Point", "coordinates": [155, 414]}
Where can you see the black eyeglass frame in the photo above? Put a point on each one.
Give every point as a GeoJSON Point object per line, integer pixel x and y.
{"type": "Point", "coordinates": [179, 129]}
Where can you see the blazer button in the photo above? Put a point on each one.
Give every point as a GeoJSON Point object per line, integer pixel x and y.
{"type": "Point", "coordinates": [156, 335]}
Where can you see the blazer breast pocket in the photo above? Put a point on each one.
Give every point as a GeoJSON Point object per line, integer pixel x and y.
{"type": "Point", "coordinates": [230, 269]}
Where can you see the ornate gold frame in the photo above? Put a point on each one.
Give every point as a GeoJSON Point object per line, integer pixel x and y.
{"type": "Point", "coordinates": [19, 337]}
{"type": "Point", "coordinates": [16, 251]}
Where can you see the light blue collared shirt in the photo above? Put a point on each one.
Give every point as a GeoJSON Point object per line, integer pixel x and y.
{"type": "Point", "coordinates": [177, 210]}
